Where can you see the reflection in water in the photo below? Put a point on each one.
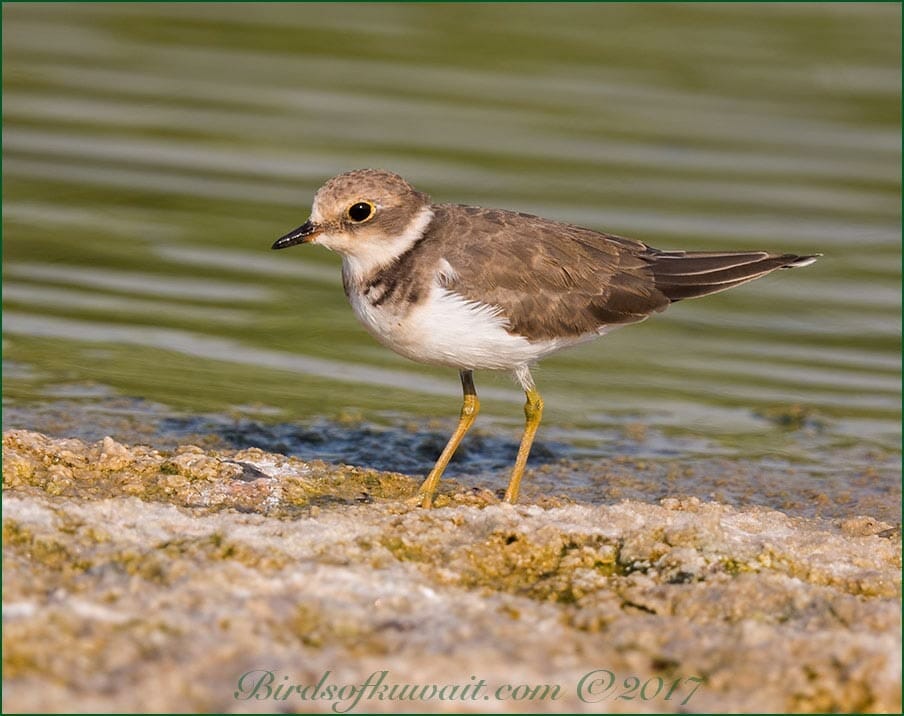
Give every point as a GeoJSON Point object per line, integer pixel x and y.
{"type": "Point", "coordinates": [138, 283]}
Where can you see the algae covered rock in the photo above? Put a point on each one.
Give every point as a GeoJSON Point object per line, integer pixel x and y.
{"type": "Point", "coordinates": [196, 580]}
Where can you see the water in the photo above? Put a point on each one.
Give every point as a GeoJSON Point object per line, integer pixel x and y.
{"type": "Point", "coordinates": [153, 152]}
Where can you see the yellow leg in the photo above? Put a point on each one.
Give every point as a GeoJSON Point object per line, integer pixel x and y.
{"type": "Point", "coordinates": [470, 406]}
{"type": "Point", "coordinates": [533, 413]}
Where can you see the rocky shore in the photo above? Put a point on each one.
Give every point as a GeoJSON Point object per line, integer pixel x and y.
{"type": "Point", "coordinates": [205, 580]}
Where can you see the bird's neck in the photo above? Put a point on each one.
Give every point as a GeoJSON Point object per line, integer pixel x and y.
{"type": "Point", "coordinates": [371, 257]}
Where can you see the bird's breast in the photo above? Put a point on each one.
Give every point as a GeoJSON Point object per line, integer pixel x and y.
{"type": "Point", "coordinates": [444, 328]}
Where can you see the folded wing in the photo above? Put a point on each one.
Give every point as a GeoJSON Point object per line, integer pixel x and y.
{"type": "Point", "coordinates": [554, 280]}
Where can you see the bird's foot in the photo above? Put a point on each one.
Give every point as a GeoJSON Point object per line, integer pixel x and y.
{"type": "Point", "coordinates": [420, 499]}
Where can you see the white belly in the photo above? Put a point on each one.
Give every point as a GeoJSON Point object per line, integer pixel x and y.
{"type": "Point", "coordinates": [446, 329]}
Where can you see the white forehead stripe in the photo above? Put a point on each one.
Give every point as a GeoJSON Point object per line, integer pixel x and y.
{"type": "Point", "coordinates": [316, 216]}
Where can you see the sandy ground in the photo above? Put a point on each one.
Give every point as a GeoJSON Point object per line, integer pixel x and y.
{"type": "Point", "coordinates": [200, 580]}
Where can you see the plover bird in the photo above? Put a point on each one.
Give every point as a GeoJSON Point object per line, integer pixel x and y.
{"type": "Point", "coordinates": [474, 288]}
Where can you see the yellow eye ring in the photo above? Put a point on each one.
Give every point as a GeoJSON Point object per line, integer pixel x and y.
{"type": "Point", "coordinates": [361, 211]}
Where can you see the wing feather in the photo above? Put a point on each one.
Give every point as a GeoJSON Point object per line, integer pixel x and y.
{"type": "Point", "coordinates": [554, 280]}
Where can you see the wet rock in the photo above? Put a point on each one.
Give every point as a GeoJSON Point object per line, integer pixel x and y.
{"type": "Point", "coordinates": [138, 579]}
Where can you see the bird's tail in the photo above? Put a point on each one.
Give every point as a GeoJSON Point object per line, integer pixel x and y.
{"type": "Point", "coordinates": [690, 274]}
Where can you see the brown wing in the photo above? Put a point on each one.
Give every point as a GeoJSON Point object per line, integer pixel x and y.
{"type": "Point", "coordinates": [549, 279]}
{"type": "Point", "coordinates": [690, 274]}
{"type": "Point", "coordinates": [554, 280]}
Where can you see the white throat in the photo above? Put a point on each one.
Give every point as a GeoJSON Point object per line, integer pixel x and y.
{"type": "Point", "coordinates": [372, 255]}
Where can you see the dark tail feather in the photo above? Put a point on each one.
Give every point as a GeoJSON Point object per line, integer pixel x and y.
{"type": "Point", "coordinates": [681, 274]}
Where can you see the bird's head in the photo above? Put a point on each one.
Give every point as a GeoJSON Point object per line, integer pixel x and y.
{"type": "Point", "coordinates": [361, 214]}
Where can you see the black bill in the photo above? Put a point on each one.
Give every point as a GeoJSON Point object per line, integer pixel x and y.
{"type": "Point", "coordinates": [302, 235]}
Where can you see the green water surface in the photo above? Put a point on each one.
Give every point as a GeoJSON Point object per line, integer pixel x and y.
{"type": "Point", "coordinates": [153, 152]}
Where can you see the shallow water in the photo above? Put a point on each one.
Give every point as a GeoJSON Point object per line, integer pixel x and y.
{"type": "Point", "coordinates": [153, 152]}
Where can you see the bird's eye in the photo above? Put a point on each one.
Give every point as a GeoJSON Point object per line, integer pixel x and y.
{"type": "Point", "coordinates": [361, 211]}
